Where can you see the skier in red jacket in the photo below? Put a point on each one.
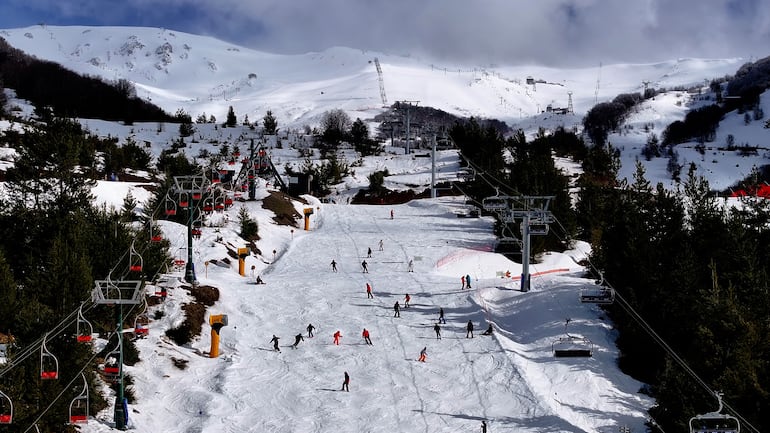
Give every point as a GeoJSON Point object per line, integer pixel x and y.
{"type": "Point", "coordinates": [337, 336]}
{"type": "Point", "coordinates": [365, 334]}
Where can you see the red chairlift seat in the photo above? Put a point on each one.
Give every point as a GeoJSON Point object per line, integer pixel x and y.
{"type": "Point", "coordinates": [79, 405]}
{"type": "Point", "coordinates": [156, 238]}
{"type": "Point", "coordinates": [49, 365]}
{"type": "Point", "coordinates": [6, 409]}
{"type": "Point", "coordinates": [196, 232]}
{"type": "Point", "coordinates": [79, 419]}
{"type": "Point", "coordinates": [196, 196]}
{"type": "Point", "coordinates": [135, 261]}
{"type": "Point", "coordinates": [141, 326]}
{"type": "Point", "coordinates": [83, 328]}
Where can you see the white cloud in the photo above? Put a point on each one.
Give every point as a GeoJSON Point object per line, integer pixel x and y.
{"type": "Point", "coordinates": [556, 32]}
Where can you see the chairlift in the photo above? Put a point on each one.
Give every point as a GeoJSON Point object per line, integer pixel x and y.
{"type": "Point", "coordinates": [135, 261]}
{"type": "Point", "coordinates": [6, 409]}
{"type": "Point", "coordinates": [142, 323]}
{"type": "Point", "coordinates": [572, 346]}
{"type": "Point", "coordinates": [79, 405]}
{"type": "Point", "coordinates": [170, 206]}
{"type": "Point", "coordinates": [179, 263]}
{"type": "Point", "coordinates": [219, 204]}
{"type": "Point", "coordinates": [83, 328]}
{"type": "Point", "coordinates": [155, 235]}
{"type": "Point", "coordinates": [495, 203]}
{"type": "Point", "coordinates": [228, 200]}
{"type": "Point", "coordinates": [538, 229]}
{"type": "Point", "coordinates": [112, 364]}
{"type": "Point", "coordinates": [184, 200]}
{"type": "Point", "coordinates": [600, 295]}
{"type": "Point", "coordinates": [467, 174]}
{"type": "Point", "coordinates": [49, 365]}
{"type": "Point", "coordinates": [715, 422]}
{"type": "Point", "coordinates": [208, 205]}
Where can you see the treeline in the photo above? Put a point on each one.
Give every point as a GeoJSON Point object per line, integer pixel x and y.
{"type": "Point", "coordinates": [698, 274]}
{"type": "Point", "coordinates": [54, 243]}
{"type": "Point", "coordinates": [46, 83]}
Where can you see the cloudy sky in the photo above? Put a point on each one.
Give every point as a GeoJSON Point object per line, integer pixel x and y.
{"type": "Point", "coordinates": [549, 32]}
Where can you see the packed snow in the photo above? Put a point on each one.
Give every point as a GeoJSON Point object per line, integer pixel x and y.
{"type": "Point", "coordinates": [509, 379]}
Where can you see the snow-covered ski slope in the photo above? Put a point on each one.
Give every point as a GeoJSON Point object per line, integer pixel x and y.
{"type": "Point", "coordinates": [510, 379]}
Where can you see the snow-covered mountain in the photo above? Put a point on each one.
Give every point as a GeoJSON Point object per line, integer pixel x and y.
{"type": "Point", "coordinates": [201, 74]}
{"type": "Point", "coordinates": [511, 379]}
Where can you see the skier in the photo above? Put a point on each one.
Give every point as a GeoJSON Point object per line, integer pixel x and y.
{"type": "Point", "coordinates": [297, 339]}
{"type": "Point", "coordinates": [423, 354]}
{"type": "Point", "coordinates": [364, 265]}
{"type": "Point", "coordinates": [259, 280]}
{"type": "Point", "coordinates": [369, 253]}
{"type": "Point", "coordinates": [462, 279]}
{"type": "Point", "coordinates": [369, 291]}
{"type": "Point", "coordinates": [483, 427]}
{"type": "Point", "coordinates": [380, 244]}
{"type": "Point", "coordinates": [489, 330]}
{"type": "Point", "coordinates": [337, 336]}
{"type": "Point", "coordinates": [334, 266]}
{"type": "Point", "coordinates": [396, 312]}
{"type": "Point", "coordinates": [468, 281]}
{"type": "Point", "coordinates": [406, 300]}
{"type": "Point", "coordinates": [470, 330]}
{"type": "Point", "coordinates": [346, 383]}
{"type": "Point", "coordinates": [441, 318]}
{"type": "Point", "coordinates": [275, 343]}
{"type": "Point", "coordinates": [310, 329]}
{"type": "Point", "coordinates": [391, 214]}
{"type": "Point", "coordinates": [438, 331]}
{"type": "Point", "coordinates": [410, 266]}
{"type": "Point", "coordinates": [365, 334]}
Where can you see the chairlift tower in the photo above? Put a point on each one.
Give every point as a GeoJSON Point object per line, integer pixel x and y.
{"type": "Point", "coordinates": [192, 187]}
{"type": "Point", "coordinates": [382, 82]}
{"type": "Point", "coordinates": [535, 219]}
{"type": "Point", "coordinates": [407, 118]}
{"type": "Point", "coordinates": [118, 293]}
{"type": "Point", "coordinates": [570, 108]}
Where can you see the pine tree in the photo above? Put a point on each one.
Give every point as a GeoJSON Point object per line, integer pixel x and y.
{"type": "Point", "coordinates": [231, 120]}
{"type": "Point", "coordinates": [269, 123]}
